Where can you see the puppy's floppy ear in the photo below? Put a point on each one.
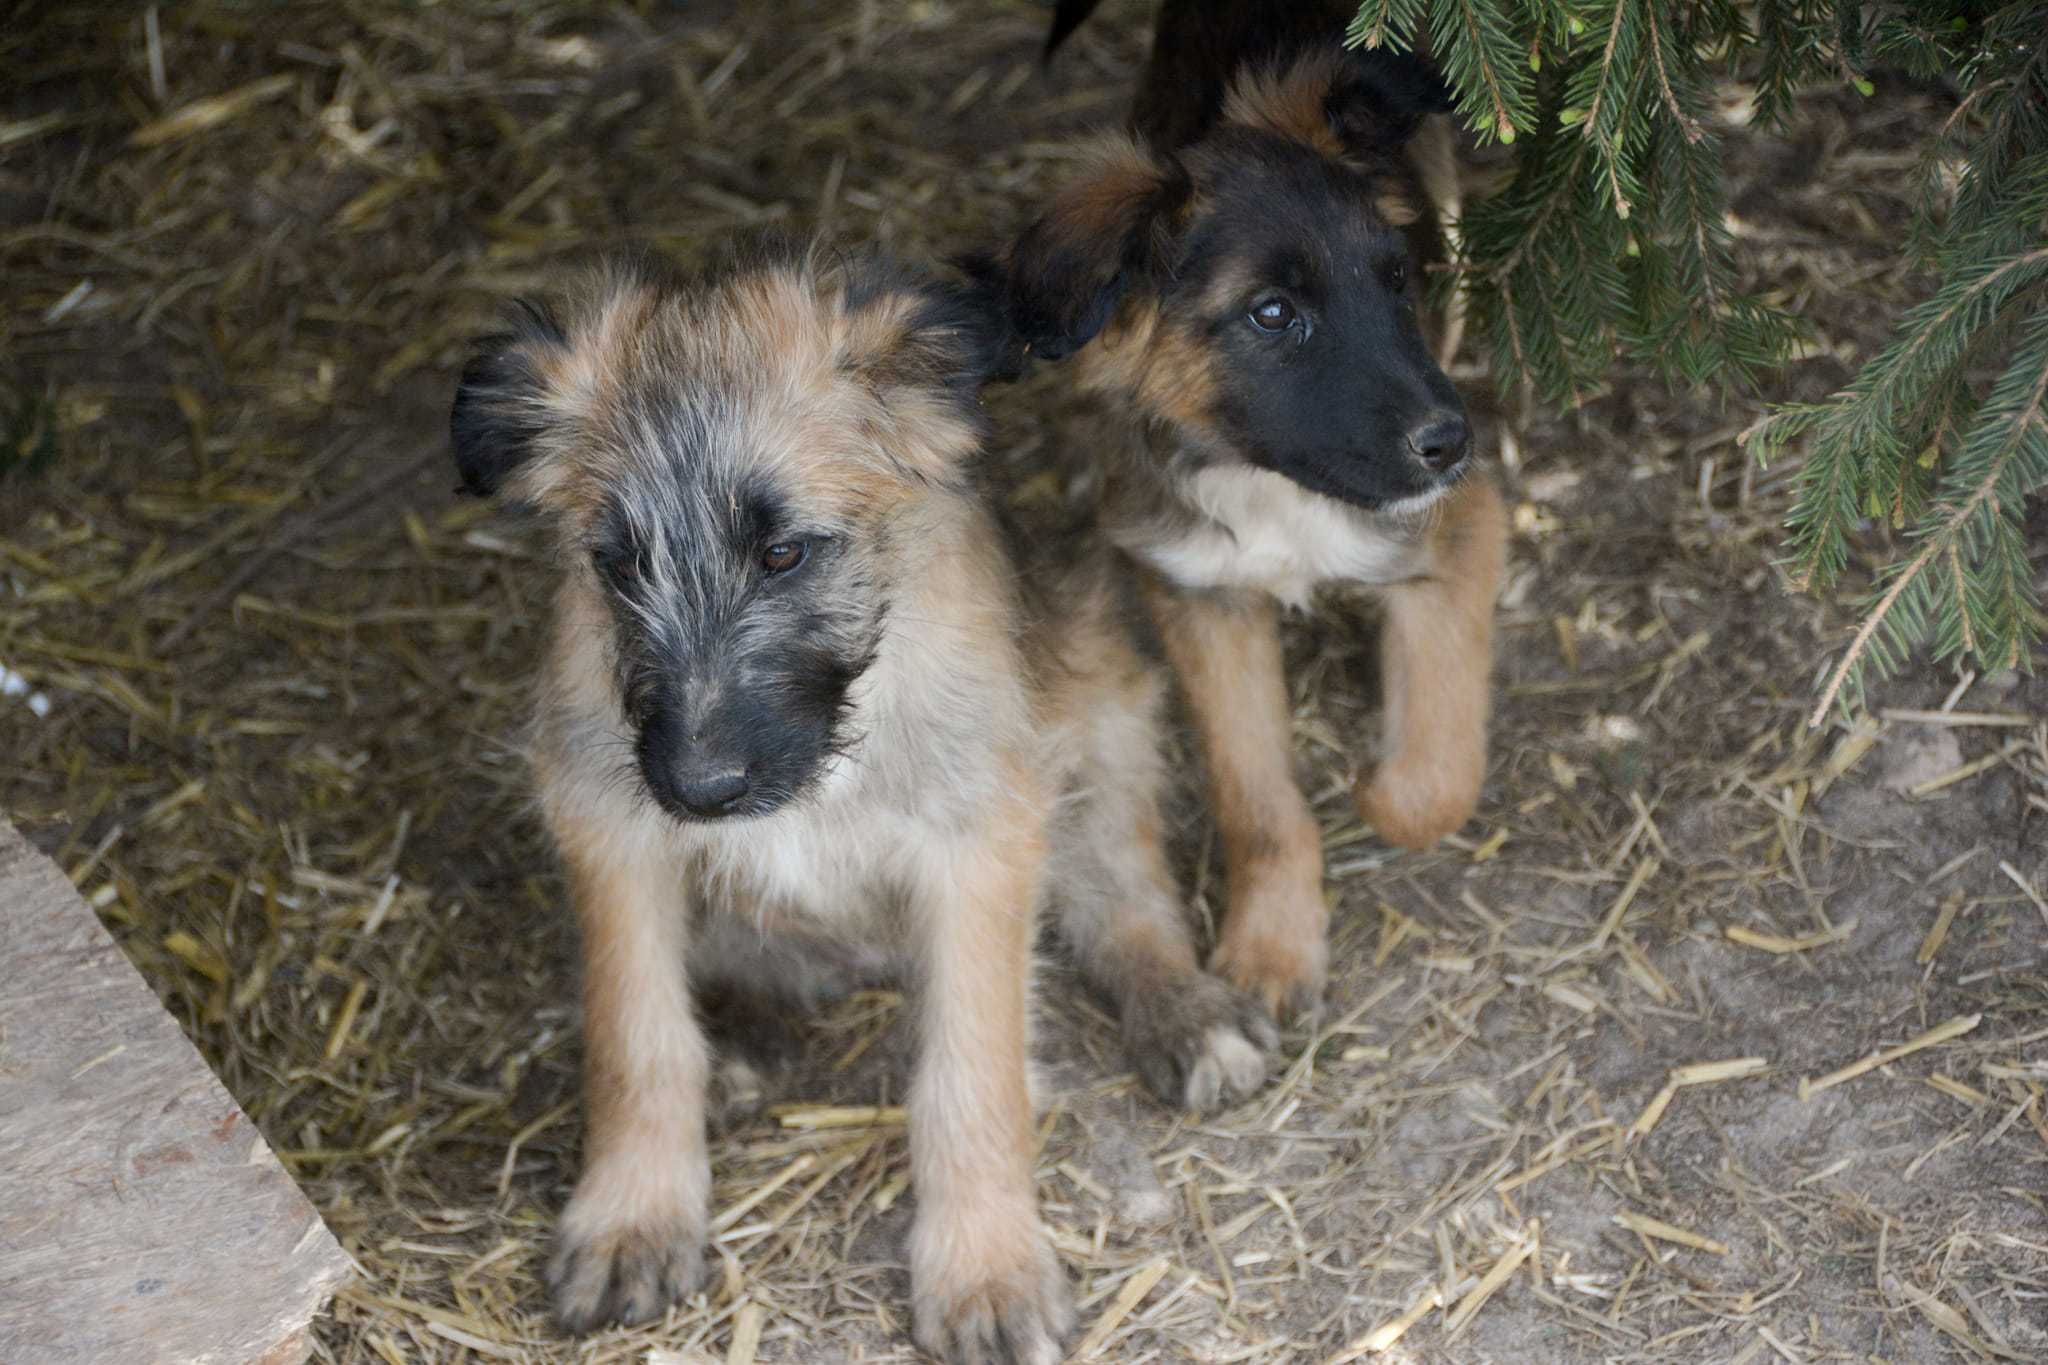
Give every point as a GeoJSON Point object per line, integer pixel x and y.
{"type": "Point", "coordinates": [530, 393]}
{"type": "Point", "coordinates": [907, 329]}
{"type": "Point", "coordinates": [502, 408]}
{"type": "Point", "coordinates": [1378, 98]}
{"type": "Point", "coordinates": [987, 284]}
{"type": "Point", "coordinates": [1070, 268]}
{"type": "Point", "coordinates": [1359, 108]}
{"type": "Point", "coordinates": [923, 348]}
{"type": "Point", "coordinates": [1344, 104]}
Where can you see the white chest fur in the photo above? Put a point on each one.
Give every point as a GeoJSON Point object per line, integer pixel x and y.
{"type": "Point", "coordinates": [830, 860]}
{"type": "Point", "coordinates": [1257, 529]}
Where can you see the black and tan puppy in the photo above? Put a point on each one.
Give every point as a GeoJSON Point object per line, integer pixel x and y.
{"type": "Point", "coordinates": [801, 691]}
{"type": "Point", "coordinates": [1243, 281]}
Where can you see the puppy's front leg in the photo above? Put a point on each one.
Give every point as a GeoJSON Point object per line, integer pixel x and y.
{"type": "Point", "coordinates": [631, 1241]}
{"type": "Point", "coordinates": [1225, 647]}
{"type": "Point", "coordinates": [1436, 662]}
{"type": "Point", "coordinates": [985, 1284]}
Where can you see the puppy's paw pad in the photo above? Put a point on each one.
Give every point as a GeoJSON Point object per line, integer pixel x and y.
{"type": "Point", "coordinates": [1409, 811]}
{"type": "Point", "coordinates": [623, 1274]}
{"type": "Point", "coordinates": [1200, 1043]}
{"type": "Point", "coordinates": [739, 1092]}
{"type": "Point", "coordinates": [1020, 1318]}
{"type": "Point", "coordinates": [1232, 1067]}
{"type": "Point", "coordinates": [1285, 977]}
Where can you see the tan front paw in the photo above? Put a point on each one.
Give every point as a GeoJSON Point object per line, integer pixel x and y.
{"type": "Point", "coordinates": [1285, 973]}
{"type": "Point", "coordinates": [619, 1258]}
{"type": "Point", "coordinates": [967, 1311]}
{"type": "Point", "coordinates": [1412, 804]}
{"type": "Point", "coordinates": [1274, 946]}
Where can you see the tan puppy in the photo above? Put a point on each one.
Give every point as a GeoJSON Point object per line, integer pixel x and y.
{"type": "Point", "coordinates": [798, 699]}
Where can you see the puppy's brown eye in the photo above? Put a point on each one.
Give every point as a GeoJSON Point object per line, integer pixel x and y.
{"type": "Point", "coordinates": [1397, 276]}
{"type": "Point", "coordinates": [783, 556]}
{"type": "Point", "coordinates": [1272, 315]}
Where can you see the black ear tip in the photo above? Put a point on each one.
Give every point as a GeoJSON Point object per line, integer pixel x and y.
{"type": "Point", "coordinates": [982, 284]}
{"type": "Point", "coordinates": [489, 428]}
{"type": "Point", "coordinates": [495, 420]}
{"type": "Point", "coordinates": [476, 486]}
{"type": "Point", "coordinates": [1065, 312]}
{"type": "Point", "coordinates": [980, 287]}
{"type": "Point", "coordinates": [1067, 16]}
{"type": "Point", "coordinates": [1003, 357]}
{"type": "Point", "coordinates": [1400, 87]}
{"type": "Point", "coordinates": [981, 268]}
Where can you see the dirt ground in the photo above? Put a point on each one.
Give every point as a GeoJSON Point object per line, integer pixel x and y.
{"type": "Point", "coordinates": [267, 681]}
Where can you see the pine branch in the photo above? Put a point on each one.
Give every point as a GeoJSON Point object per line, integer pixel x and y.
{"type": "Point", "coordinates": [1607, 63]}
{"type": "Point", "coordinates": [1377, 21]}
{"type": "Point", "coordinates": [1788, 39]}
{"type": "Point", "coordinates": [1942, 328]}
{"type": "Point", "coordinates": [1960, 583]}
{"type": "Point", "coordinates": [1478, 52]}
{"type": "Point", "coordinates": [2012, 434]}
{"type": "Point", "coordinates": [1687, 123]}
{"type": "Point", "coordinates": [1865, 634]}
{"type": "Point", "coordinates": [1864, 431]}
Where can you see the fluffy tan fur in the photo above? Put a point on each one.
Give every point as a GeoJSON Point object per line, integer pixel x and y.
{"type": "Point", "coordinates": [1007, 755]}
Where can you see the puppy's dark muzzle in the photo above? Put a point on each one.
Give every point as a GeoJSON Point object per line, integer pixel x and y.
{"type": "Point", "coordinates": [711, 789]}
{"type": "Point", "coordinates": [1441, 443]}
{"type": "Point", "coordinates": [694, 780]}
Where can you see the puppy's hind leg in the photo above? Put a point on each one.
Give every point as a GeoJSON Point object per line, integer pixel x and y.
{"type": "Point", "coordinates": [1192, 1038]}
{"type": "Point", "coordinates": [757, 977]}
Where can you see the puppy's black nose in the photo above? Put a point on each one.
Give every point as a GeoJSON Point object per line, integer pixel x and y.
{"type": "Point", "coordinates": [1440, 441]}
{"type": "Point", "coordinates": [711, 789]}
